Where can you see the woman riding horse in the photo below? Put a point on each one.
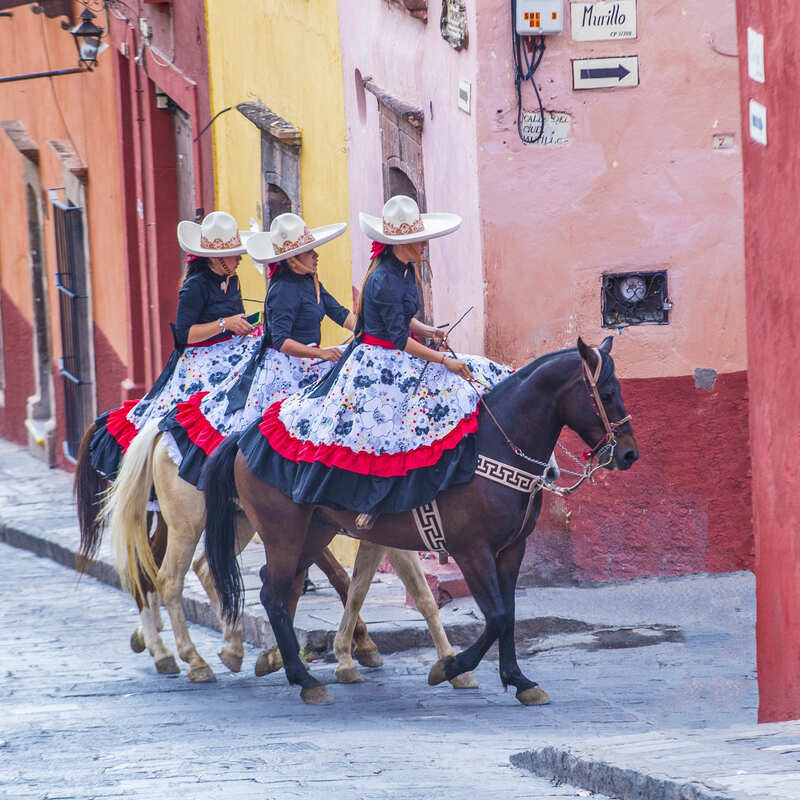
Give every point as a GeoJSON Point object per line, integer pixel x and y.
{"type": "Point", "coordinates": [289, 358]}
{"type": "Point", "coordinates": [212, 336]}
{"type": "Point", "coordinates": [383, 432]}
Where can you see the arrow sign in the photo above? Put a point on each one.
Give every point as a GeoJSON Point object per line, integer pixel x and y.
{"type": "Point", "coordinates": [605, 73]}
{"type": "Point", "coordinates": [618, 72]}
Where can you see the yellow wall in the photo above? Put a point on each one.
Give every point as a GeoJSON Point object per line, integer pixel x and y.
{"type": "Point", "coordinates": [286, 54]}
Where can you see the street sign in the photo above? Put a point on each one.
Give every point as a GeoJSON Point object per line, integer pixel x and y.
{"type": "Point", "coordinates": [605, 73]}
{"type": "Point", "coordinates": [755, 55]}
{"type": "Point", "coordinates": [556, 128]}
{"type": "Point", "coordinates": [758, 123]}
{"type": "Point", "coordinates": [594, 22]}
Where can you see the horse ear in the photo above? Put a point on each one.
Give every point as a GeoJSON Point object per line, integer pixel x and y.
{"type": "Point", "coordinates": [606, 346]}
{"type": "Point", "coordinates": [587, 354]}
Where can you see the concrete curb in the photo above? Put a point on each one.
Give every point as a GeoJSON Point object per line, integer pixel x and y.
{"type": "Point", "coordinates": [602, 778]}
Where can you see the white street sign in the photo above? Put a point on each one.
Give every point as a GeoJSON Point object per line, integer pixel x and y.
{"type": "Point", "coordinates": [755, 55]}
{"type": "Point", "coordinates": [758, 123]}
{"type": "Point", "coordinates": [594, 22]}
{"type": "Point", "coordinates": [465, 96]}
{"type": "Point", "coordinates": [605, 73]}
{"type": "Point", "coordinates": [556, 127]}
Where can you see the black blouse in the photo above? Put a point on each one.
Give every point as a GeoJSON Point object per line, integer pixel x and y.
{"type": "Point", "coordinates": [390, 301]}
{"type": "Point", "coordinates": [201, 300]}
{"type": "Point", "coordinates": [293, 311]}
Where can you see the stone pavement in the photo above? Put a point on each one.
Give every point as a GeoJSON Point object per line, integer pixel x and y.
{"type": "Point", "coordinates": [629, 660]}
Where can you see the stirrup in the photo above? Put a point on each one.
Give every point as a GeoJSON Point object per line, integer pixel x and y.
{"type": "Point", "coordinates": [365, 521]}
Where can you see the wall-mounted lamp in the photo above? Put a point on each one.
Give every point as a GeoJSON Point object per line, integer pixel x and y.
{"type": "Point", "coordinates": [87, 37]}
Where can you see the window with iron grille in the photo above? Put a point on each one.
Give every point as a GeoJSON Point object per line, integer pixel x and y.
{"type": "Point", "coordinates": [635, 298]}
{"type": "Point", "coordinates": [73, 307]}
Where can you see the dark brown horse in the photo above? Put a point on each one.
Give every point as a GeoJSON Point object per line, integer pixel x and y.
{"type": "Point", "coordinates": [485, 521]}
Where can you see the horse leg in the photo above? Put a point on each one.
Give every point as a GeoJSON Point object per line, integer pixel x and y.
{"type": "Point", "coordinates": [480, 572]}
{"type": "Point", "coordinates": [406, 564]}
{"type": "Point", "coordinates": [180, 548]}
{"type": "Point", "coordinates": [151, 639]}
{"type": "Point", "coordinates": [278, 577]}
{"type": "Point", "coordinates": [367, 560]}
{"type": "Point", "coordinates": [232, 653]}
{"type": "Point", "coordinates": [158, 545]}
{"type": "Point", "coordinates": [529, 692]}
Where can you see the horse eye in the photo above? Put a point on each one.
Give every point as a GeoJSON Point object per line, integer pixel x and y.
{"type": "Point", "coordinates": [606, 398]}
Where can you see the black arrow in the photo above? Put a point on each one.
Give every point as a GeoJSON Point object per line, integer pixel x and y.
{"type": "Point", "coordinates": [599, 74]}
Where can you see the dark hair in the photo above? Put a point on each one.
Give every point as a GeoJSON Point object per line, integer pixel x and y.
{"type": "Point", "coordinates": [373, 265]}
{"type": "Point", "coordinates": [193, 267]}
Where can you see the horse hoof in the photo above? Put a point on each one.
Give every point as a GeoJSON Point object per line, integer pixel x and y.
{"type": "Point", "coordinates": [268, 661]}
{"type": "Point", "coordinates": [535, 696]}
{"type": "Point", "coordinates": [167, 666]}
{"type": "Point", "coordinates": [232, 661]}
{"type": "Point", "coordinates": [348, 675]}
{"type": "Point", "coordinates": [466, 680]}
{"type": "Point", "coordinates": [437, 675]}
{"type": "Point", "coordinates": [369, 658]}
{"type": "Point", "coordinates": [316, 695]}
{"type": "Point", "coordinates": [202, 674]}
{"type": "Point", "coordinates": [137, 641]}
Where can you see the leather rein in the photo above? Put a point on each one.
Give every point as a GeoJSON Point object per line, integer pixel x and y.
{"type": "Point", "coordinates": [607, 444]}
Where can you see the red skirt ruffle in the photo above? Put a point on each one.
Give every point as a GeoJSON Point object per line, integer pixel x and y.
{"type": "Point", "coordinates": [119, 427]}
{"type": "Point", "coordinates": [201, 432]}
{"type": "Point", "coordinates": [386, 465]}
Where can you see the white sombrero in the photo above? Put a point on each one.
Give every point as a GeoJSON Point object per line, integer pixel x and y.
{"type": "Point", "coordinates": [289, 236]}
{"type": "Point", "coordinates": [217, 235]}
{"type": "Point", "coordinates": [402, 223]}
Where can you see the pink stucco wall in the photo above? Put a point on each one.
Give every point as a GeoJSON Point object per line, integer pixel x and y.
{"type": "Point", "coordinates": [638, 187]}
{"type": "Point", "coordinates": [411, 61]}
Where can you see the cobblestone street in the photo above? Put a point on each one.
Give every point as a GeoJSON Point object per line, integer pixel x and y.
{"type": "Point", "coordinates": [85, 717]}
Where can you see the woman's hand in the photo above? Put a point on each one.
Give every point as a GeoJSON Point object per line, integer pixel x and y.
{"type": "Point", "coordinates": [237, 324]}
{"type": "Point", "coordinates": [438, 335]}
{"type": "Point", "coordinates": [332, 354]}
{"type": "Point", "coordinates": [459, 367]}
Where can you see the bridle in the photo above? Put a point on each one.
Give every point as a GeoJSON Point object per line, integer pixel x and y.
{"type": "Point", "coordinates": [603, 450]}
{"type": "Point", "coordinates": [590, 379]}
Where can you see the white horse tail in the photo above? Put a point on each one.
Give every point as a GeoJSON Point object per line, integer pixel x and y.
{"type": "Point", "coordinates": [126, 504]}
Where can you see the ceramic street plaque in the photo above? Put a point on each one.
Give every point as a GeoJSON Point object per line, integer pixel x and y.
{"type": "Point", "coordinates": [594, 22]}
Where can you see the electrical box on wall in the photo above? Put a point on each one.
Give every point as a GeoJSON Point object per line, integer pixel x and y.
{"type": "Point", "coordinates": [539, 17]}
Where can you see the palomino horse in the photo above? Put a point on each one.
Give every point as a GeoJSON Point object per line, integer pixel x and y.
{"type": "Point", "coordinates": [147, 464]}
{"type": "Point", "coordinates": [485, 522]}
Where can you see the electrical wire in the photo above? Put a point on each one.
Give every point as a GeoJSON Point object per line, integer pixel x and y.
{"type": "Point", "coordinates": [524, 70]}
{"type": "Point", "coordinates": [53, 88]}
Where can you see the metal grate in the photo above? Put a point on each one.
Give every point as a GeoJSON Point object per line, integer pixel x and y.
{"type": "Point", "coordinates": [73, 309]}
{"type": "Point", "coordinates": [635, 298]}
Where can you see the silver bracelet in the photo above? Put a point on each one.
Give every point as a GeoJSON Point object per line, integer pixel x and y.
{"type": "Point", "coordinates": [221, 325]}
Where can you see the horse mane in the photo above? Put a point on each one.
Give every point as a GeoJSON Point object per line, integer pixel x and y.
{"type": "Point", "coordinates": [512, 381]}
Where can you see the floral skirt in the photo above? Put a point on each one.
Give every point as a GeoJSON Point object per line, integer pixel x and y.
{"type": "Point", "coordinates": [198, 368]}
{"type": "Point", "coordinates": [195, 427]}
{"type": "Point", "coordinates": [384, 433]}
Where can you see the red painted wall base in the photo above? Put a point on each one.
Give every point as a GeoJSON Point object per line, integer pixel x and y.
{"type": "Point", "coordinates": [683, 508]}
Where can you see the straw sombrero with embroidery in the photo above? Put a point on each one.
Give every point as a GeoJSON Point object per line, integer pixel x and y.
{"type": "Point", "coordinates": [289, 236]}
{"type": "Point", "coordinates": [217, 235]}
{"type": "Point", "coordinates": [401, 222]}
